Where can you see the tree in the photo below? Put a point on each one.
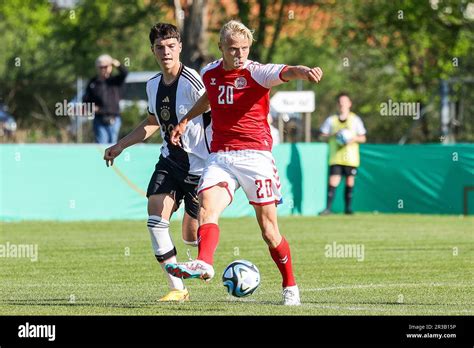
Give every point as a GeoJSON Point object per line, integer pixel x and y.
{"type": "Point", "coordinates": [376, 50]}
{"type": "Point", "coordinates": [409, 46]}
{"type": "Point", "coordinates": [268, 24]}
{"type": "Point", "coordinates": [45, 50]}
{"type": "Point", "coordinates": [192, 23]}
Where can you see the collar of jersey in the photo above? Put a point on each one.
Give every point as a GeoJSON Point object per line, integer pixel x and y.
{"type": "Point", "coordinates": [176, 78]}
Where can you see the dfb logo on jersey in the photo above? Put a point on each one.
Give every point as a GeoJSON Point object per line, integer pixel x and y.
{"type": "Point", "coordinates": [240, 82]}
{"type": "Point", "coordinates": [165, 113]}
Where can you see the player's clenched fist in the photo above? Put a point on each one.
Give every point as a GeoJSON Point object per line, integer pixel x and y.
{"type": "Point", "coordinates": [315, 74]}
{"type": "Point", "coordinates": [177, 132]}
{"type": "Point", "coordinates": [111, 153]}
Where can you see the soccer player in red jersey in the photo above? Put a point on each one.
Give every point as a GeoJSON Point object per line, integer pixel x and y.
{"type": "Point", "coordinates": [238, 93]}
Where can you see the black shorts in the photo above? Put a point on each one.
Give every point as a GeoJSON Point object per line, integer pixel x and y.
{"type": "Point", "coordinates": [168, 179]}
{"type": "Point", "coordinates": [338, 169]}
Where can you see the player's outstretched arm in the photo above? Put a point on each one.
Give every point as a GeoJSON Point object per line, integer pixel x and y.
{"type": "Point", "coordinates": [201, 106]}
{"type": "Point", "coordinates": [301, 72]}
{"type": "Point", "coordinates": [143, 131]}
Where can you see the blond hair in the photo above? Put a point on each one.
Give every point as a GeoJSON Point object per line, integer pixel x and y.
{"type": "Point", "coordinates": [234, 28]}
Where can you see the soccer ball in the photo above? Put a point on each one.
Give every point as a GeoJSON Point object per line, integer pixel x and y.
{"type": "Point", "coordinates": [344, 136]}
{"type": "Point", "coordinates": [241, 278]}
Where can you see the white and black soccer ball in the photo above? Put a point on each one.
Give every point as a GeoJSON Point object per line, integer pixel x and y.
{"type": "Point", "coordinates": [241, 278]}
{"type": "Point", "coordinates": [344, 136]}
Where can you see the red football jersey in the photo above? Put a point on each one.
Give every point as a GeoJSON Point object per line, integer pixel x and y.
{"type": "Point", "coordinates": [240, 103]}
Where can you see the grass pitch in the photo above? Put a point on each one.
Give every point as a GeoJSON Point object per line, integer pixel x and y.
{"type": "Point", "coordinates": [412, 265]}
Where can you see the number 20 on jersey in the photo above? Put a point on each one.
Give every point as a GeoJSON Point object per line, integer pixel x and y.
{"type": "Point", "coordinates": [226, 95]}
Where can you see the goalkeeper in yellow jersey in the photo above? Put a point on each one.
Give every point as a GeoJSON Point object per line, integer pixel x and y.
{"type": "Point", "coordinates": [344, 131]}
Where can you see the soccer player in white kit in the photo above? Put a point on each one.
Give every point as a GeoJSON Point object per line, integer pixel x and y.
{"type": "Point", "coordinates": [170, 94]}
{"type": "Point", "coordinates": [238, 92]}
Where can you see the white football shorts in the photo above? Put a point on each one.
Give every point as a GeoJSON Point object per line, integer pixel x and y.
{"type": "Point", "coordinates": [255, 171]}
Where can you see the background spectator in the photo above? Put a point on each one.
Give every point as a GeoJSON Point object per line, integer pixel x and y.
{"type": "Point", "coordinates": [104, 91]}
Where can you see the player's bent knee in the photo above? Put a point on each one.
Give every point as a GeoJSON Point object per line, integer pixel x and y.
{"type": "Point", "coordinates": [213, 202]}
{"type": "Point", "coordinates": [207, 216]}
{"type": "Point", "coordinates": [162, 205]}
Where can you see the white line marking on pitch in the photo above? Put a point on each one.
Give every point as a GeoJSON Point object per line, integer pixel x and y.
{"type": "Point", "coordinates": [373, 286]}
{"type": "Point", "coordinates": [378, 309]}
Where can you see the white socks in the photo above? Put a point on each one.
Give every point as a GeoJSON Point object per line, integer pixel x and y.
{"type": "Point", "coordinates": [173, 282]}
{"type": "Point", "coordinates": [163, 247]}
{"type": "Point", "coordinates": [160, 236]}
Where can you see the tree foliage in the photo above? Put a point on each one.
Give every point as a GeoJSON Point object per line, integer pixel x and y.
{"type": "Point", "coordinates": [400, 51]}
{"type": "Point", "coordinates": [46, 49]}
{"type": "Point", "coordinates": [375, 50]}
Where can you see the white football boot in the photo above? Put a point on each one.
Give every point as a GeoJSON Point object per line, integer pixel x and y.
{"type": "Point", "coordinates": [291, 296]}
{"type": "Point", "coordinates": [191, 269]}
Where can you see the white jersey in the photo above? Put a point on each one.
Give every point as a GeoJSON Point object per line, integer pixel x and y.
{"type": "Point", "coordinates": [169, 104]}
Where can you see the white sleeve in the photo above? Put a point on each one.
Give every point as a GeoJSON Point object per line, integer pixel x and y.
{"type": "Point", "coordinates": [195, 87]}
{"type": "Point", "coordinates": [359, 126]}
{"type": "Point", "coordinates": [326, 126]}
{"type": "Point", "coordinates": [267, 75]}
{"type": "Point", "coordinates": [195, 94]}
{"type": "Point", "coordinates": [150, 103]}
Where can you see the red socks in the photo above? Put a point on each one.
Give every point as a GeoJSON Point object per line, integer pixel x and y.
{"type": "Point", "coordinates": [282, 257]}
{"type": "Point", "coordinates": [208, 238]}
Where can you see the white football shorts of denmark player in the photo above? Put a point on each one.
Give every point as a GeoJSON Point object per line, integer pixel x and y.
{"type": "Point", "coordinates": [253, 170]}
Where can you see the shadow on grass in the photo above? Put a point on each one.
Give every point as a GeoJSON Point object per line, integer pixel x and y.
{"type": "Point", "coordinates": [185, 306]}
